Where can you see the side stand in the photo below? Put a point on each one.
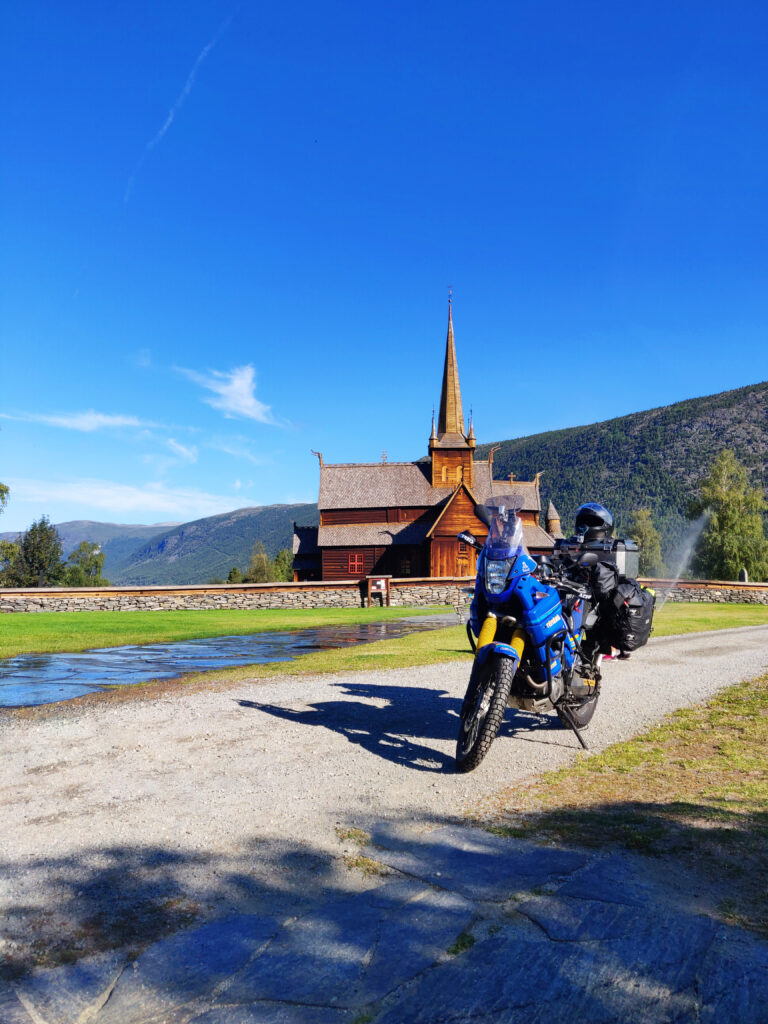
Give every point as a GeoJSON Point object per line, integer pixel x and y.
{"type": "Point", "coordinates": [566, 713]}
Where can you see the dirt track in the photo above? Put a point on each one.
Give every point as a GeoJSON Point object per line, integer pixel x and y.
{"type": "Point", "coordinates": [123, 818]}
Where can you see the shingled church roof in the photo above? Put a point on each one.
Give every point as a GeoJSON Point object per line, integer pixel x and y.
{"type": "Point", "coordinates": [406, 485]}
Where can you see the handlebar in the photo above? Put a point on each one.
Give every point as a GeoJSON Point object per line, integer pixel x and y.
{"type": "Point", "coordinates": [572, 588]}
{"type": "Point", "coordinates": [558, 581]}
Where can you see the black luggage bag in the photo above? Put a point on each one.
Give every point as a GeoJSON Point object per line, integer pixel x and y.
{"type": "Point", "coordinates": [625, 609]}
{"type": "Point", "coordinates": [629, 615]}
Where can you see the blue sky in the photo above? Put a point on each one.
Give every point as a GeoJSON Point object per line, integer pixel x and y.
{"type": "Point", "coordinates": [229, 231]}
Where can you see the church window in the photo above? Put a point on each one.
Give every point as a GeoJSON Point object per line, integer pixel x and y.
{"type": "Point", "coordinates": [356, 563]}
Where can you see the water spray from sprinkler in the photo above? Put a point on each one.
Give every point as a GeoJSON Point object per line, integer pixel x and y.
{"type": "Point", "coordinates": [681, 556]}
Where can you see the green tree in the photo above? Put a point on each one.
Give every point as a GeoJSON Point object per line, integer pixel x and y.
{"type": "Point", "coordinates": [38, 562]}
{"type": "Point", "coordinates": [3, 496]}
{"type": "Point", "coordinates": [260, 568]}
{"type": "Point", "coordinates": [235, 576]}
{"type": "Point", "coordinates": [734, 535]}
{"type": "Point", "coordinates": [9, 552]}
{"type": "Point", "coordinates": [282, 567]}
{"type": "Point", "coordinates": [84, 566]}
{"type": "Point", "coordinates": [642, 530]}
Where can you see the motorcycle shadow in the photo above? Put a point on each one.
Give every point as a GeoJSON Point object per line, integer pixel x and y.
{"type": "Point", "coordinates": [529, 728]}
{"type": "Point", "coordinates": [395, 723]}
{"type": "Point", "coordinates": [400, 723]}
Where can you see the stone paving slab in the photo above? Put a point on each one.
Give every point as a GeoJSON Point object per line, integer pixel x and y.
{"type": "Point", "coordinates": [355, 950]}
{"type": "Point", "coordinates": [264, 1013]}
{"type": "Point", "coordinates": [605, 942]}
{"type": "Point", "coordinates": [11, 1009]}
{"type": "Point", "coordinates": [65, 994]}
{"type": "Point", "coordinates": [185, 967]}
{"type": "Point", "coordinates": [734, 979]}
{"type": "Point", "coordinates": [612, 879]}
{"type": "Point", "coordinates": [473, 862]}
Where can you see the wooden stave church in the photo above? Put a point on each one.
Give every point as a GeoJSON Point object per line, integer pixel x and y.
{"type": "Point", "coordinates": [402, 518]}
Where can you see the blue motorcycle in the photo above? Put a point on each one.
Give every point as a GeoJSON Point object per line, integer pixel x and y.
{"type": "Point", "coordinates": [532, 620]}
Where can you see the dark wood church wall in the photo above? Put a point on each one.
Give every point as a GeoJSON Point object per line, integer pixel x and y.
{"type": "Point", "coordinates": [400, 561]}
{"type": "Point", "coordinates": [354, 516]}
{"type": "Point", "coordinates": [336, 565]}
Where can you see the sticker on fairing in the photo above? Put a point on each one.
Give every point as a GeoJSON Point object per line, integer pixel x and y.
{"type": "Point", "coordinates": [552, 622]}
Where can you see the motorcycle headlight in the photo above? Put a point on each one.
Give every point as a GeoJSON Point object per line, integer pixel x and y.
{"type": "Point", "coordinates": [496, 573]}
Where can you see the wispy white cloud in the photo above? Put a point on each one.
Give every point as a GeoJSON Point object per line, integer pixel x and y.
{"type": "Point", "coordinates": [239, 448]}
{"type": "Point", "coordinates": [188, 453]}
{"type": "Point", "coordinates": [121, 500]}
{"type": "Point", "coordinates": [144, 358]}
{"type": "Point", "coordinates": [180, 100]}
{"type": "Point", "coordinates": [86, 422]}
{"type": "Point", "coordinates": [234, 392]}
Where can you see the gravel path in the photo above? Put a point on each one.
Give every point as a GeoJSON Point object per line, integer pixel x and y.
{"type": "Point", "coordinates": [124, 819]}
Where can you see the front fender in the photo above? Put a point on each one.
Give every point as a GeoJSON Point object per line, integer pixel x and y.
{"type": "Point", "coordinates": [513, 650]}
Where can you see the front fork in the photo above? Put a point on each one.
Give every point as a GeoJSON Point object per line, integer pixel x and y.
{"type": "Point", "coordinates": [488, 634]}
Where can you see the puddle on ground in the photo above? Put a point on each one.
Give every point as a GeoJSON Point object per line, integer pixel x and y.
{"type": "Point", "coordinates": [30, 679]}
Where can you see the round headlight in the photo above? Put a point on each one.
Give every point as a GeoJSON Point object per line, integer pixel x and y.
{"type": "Point", "coordinates": [496, 573]}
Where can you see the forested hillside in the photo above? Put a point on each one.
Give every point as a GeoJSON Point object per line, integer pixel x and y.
{"type": "Point", "coordinates": [647, 459]}
{"type": "Point", "coordinates": [208, 548]}
{"type": "Point", "coordinates": [117, 540]}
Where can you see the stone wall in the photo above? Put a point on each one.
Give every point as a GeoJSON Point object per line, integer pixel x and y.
{"type": "Point", "coordinates": [695, 591]}
{"type": "Point", "coordinates": [404, 593]}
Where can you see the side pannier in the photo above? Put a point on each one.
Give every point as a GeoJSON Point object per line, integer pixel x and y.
{"type": "Point", "coordinates": [627, 615]}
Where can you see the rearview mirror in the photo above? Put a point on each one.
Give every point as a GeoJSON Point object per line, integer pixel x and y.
{"type": "Point", "coordinates": [468, 538]}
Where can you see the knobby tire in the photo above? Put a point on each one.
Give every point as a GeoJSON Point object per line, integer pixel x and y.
{"type": "Point", "coordinates": [482, 711]}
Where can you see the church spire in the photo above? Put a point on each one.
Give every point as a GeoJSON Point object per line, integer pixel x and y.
{"type": "Point", "coordinates": [451, 450]}
{"type": "Point", "coordinates": [451, 418]}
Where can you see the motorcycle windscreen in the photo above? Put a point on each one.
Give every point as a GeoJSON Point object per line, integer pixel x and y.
{"type": "Point", "coordinates": [505, 533]}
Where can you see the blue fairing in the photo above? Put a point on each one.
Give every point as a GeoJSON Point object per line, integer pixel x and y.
{"type": "Point", "coordinates": [538, 608]}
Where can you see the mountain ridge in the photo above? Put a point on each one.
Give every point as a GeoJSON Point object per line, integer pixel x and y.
{"type": "Point", "coordinates": [207, 548]}
{"type": "Point", "coordinates": [652, 458]}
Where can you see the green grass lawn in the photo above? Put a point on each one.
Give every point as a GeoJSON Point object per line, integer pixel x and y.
{"type": "Point", "coordinates": [673, 618]}
{"type": "Point", "coordinates": [41, 632]}
{"type": "Point", "coordinates": [78, 631]}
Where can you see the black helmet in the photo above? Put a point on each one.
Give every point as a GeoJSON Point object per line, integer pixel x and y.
{"type": "Point", "coordinates": [593, 521]}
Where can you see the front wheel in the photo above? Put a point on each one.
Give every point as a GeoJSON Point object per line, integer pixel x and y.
{"type": "Point", "coordinates": [483, 710]}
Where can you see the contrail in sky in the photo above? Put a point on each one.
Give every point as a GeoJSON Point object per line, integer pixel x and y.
{"type": "Point", "coordinates": [158, 138]}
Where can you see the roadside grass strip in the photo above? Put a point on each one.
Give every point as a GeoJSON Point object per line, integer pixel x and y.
{"type": "Point", "coordinates": [693, 790]}
{"type": "Point", "coordinates": [48, 632]}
